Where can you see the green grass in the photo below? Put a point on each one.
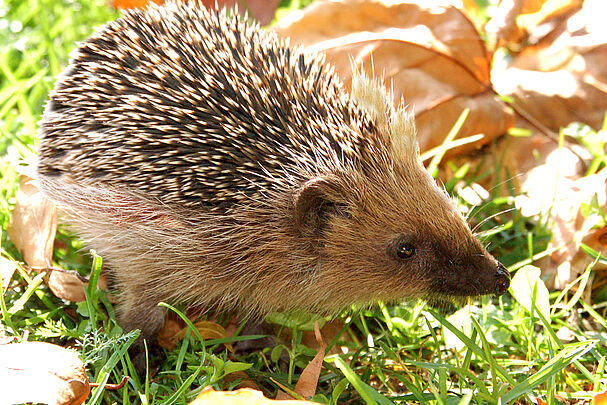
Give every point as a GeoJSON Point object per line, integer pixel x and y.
{"type": "Point", "coordinates": [404, 353]}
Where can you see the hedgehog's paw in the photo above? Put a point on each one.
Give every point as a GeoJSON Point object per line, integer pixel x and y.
{"type": "Point", "coordinates": [134, 313]}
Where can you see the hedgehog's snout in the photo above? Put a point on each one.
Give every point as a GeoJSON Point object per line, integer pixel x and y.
{"type": "Point", "coordinates": [502, 279]}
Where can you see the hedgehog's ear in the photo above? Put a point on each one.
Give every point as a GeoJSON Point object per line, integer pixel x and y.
{"type": "Point", "coordinates": [315, 202]}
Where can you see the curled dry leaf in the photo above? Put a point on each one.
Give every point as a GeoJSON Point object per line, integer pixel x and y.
{"type": "Point", "coordinates": [167, 336]}
{"type": "Point", "coordinates": [512, 19]}
{"type": "Point", "coordinates": [243, 396]}
{"type": "Point", "coordinates": [33, 224]}
{"type": "Point", "coordinates": [306, 385]}
{"type": "Point", "coordinates": [330, 330]}
{"type": "Point", "coordinates": [66, 286]}
{"type": "Point", "coordinates": [428, 52]}
{"type": "Point", "coordinates": [32, 229]}
{"type": "Point", "coordinates": [41, 372]}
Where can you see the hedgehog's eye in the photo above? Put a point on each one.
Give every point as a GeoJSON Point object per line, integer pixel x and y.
{"type": "Point", "coordinates": [405, 250]}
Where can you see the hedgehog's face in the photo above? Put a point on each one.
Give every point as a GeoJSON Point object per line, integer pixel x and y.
{"type": "Point", "coordinates": [393, 237]}
{"type": "Point", "coordinates": [384, 230]}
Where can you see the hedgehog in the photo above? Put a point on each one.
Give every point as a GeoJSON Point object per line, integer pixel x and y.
{"type": "Point", "coordinates": [212, 165]}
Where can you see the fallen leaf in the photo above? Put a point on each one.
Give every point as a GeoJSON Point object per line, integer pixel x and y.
{"type": "Point", "coordinates": [167, 336]}
{"type": "Point", "coordinates": [600, 398]}
{"type": "Point", "coordinates": [243, 396]}
{"type": "Point", "coordinates": [540, 12]}
{"type": "Point", "coordinates": [503, 25]}
{"type": "Point", "coordinates": [7, 268]}
{"type": "Point", "coordinates": [514, 22]}
{"type": "Point", "coordinates": [33, 224]}
{"type": "Point", "coordinates": [245, 380]}
{"type": "Point", "coordinates": [329, 330]}
{"type": "Point", "coordinates": [563, 78]}
{"type": "Point", "coordinates": [172, 332]}
{"type": "Point", "coordinates": [429, 53]}
{"type": "Point", "coordinates": [66, 286]}
{"type": "Point", "coordinates": [306, 385]}
{"type": "Point", "coordinates": [553, 188]}
{"type": "Point", "coordinates": [32, 229]}
{"type": "Point", "coordinates": [41, 372]}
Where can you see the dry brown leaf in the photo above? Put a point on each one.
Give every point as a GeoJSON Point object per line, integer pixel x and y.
{"type": "Point", "coordinates": [600, 398]}
{"type": "Point", "coordinates": [7, 268]}
{"type": "Point", "coordinates": [512, 19]}
{"type": "Point", "coordinates": [306, 385]}
{"type": "Point", "coordinates": [41, 372]}
{"type": "Point", "coordinates": [572, 228]}
{"type": "Point", "coordinates": [69, 287]}
{"type": "Point", "coordinates": [172, 332]}
{"type": "Point", "coordinates": [167, 336]}
{"type": "Point", "coordinates": [330, 330]}
{"type": "Point", "coordinates": [564, 77]}
{"type": "Point", "coordinates": [243, 396]}
{"type": "Point", "coordinates": [533, 6]}
{"type": "Point", "coordinates": [556, 99]}
{"type": "Point", "coordinates": [66, 286]}
{"type": "Point", "coordinates": [538, 12]}
{"type": "Point", "coordinates": [427, 52]}
{"type": "Point", "coordinates": [245, 380]}
{"type": "Point", "coordinates": [556, 188]}
{"type": "Point", "coordinates": [503, 27]}
{"type": "Point", "coordinates": [32, 229]}
{"type": "Point", "coordinates": [33, 224]}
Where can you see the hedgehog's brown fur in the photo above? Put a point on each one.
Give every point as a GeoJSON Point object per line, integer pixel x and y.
{"type": "Point", "coordinates": [210, 164]}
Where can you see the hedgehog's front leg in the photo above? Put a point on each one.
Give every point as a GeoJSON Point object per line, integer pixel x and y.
{"type": "Point", "coordinates": [148, 319]}
{"type": "Point", "coordinates": [134, 313]}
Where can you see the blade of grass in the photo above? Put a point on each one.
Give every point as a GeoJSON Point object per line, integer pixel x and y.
{"type": "Point", "coordinates": [368, 394]}
{"type": "Point", "coordinates": [90, 291]}
{"type": "Point", "coordinates": [442, 149]}
{"type": "Point", "coordinates": [105, 372]}
{"type": "Point", "coordinates": [31, 288]}
{"type": "Point", "coordinates": [471, 345]}
{"type": "Point", "coordinates": [565, 357]}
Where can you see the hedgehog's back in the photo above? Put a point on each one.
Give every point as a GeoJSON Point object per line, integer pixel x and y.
{"type": "Point", "coordinates": [193, 107]}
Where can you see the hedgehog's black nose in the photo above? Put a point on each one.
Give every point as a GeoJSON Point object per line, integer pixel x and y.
{"type": "Point", "coordinates": [502, 281]}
